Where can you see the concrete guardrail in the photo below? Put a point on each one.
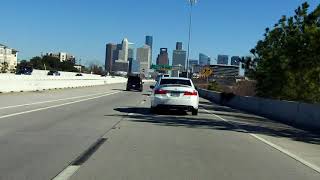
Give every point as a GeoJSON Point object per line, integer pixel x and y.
{"type": "Point", "coordinates": [40, 81]}
{"type": "Point", "coordinates": [298, 114]}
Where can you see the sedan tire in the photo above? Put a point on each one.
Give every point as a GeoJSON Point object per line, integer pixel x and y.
{"type": "Point", "coordinates": [194, 112]}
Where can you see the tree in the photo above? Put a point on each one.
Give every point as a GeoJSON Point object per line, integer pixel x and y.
{"type": "Point", "coordinates": [96, 69]}
{"type": "Point", "coordinates": [52, 63]}
{"type": "Point", "coordinates": [36, 63]}
{"type": "Point", "coordinates": [288, 58]}
{"type": "Point", "coordinates": [4, 67]}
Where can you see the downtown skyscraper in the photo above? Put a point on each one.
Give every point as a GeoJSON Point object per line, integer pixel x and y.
{"type": "Point", "coordinates": [117, 57]}
{"type": "Point", "coordinates": [163, 58]}
{"type": "Point", "coordinates": [144, 59]}
{"type": "Point", "coordinates": [149, 42]}
{"type": "Point", "coordinates": [223, 59]}
{"type": "Point", "coordinates": [204, 60]}
{"type": "Point", "coordinates": [179, 56]}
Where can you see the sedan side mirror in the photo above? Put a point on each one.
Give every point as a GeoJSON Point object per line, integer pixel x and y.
{"type": "Point", "coordinates": [151, 87]}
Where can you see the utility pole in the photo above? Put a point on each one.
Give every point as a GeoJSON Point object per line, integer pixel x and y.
{"type": "Point", "coordinates": [192, 3]}
{"type": "Point", "coordinates": [80, 65]}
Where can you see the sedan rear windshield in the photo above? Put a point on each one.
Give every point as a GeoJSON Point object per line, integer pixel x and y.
{"type": "Point", "coordinates": [175, 82]}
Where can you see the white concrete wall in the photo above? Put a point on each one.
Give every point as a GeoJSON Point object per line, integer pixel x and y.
{"type": "Point", "coordinates": [40, 81]}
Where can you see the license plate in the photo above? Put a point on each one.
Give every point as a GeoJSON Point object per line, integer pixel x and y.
{"type": "Point", "coordinates": [175, 94]}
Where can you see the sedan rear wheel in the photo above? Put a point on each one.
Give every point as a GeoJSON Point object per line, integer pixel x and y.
{"type": "Point", "coordinates": [153, 110]}
{"type": "Point", "coordinates": [194, 112]}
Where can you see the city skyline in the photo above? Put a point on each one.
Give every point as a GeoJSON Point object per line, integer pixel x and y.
{"type": "Point", "coordinates": [84, 35]}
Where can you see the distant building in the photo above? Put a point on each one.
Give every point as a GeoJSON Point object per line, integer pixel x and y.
{"type": "Point", "coordinates": [9, 56]}
{"type": "Point", "coordinates": [149, 42]}
{"type": "Point", "coordinates": [220, 70]}
{"type": "Point", "coordinates": [235, 60]}
{"type": "Point", "coordinates": [179, 56]}
{"type": "Point", "coordinates": [131, 50]}
{"type": "Point", "coordinates": [179, 46]}
{"type": "Point", "coordinates": [223, 59]}
{"type": "Point", "coordinates": [62, 56]}
{"type": "Point", "coordinates": [123, 53]}
{"type": "Point", "coordinates": [193, 62]}
{"type": "Point", "coordinates": [144, 59]}
{"type": "Point", "coordinates": [109, 59]}
{"type": "Point", "coordinates": [118, 56]}
{"type": "Point", "coordinates": [135, 66]}
{"type": "Point", "coordinates": [120, 66]}
{"type": "Point", "coordinates": [163, 58]}
{"type": "Point", "coordinates": [204, 60]}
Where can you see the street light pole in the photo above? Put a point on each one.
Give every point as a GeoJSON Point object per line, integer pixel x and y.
{"type": "Point", "coordinates": [192, 3]}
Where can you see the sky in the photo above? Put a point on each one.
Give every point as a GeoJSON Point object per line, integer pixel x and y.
{"type": "Point", "coordinates": [83, 27]}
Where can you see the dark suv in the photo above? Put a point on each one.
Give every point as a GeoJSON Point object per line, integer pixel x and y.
{"type": "Point", "coordinates": [134, 82]}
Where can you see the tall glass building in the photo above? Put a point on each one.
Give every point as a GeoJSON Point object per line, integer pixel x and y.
{"type": "Point", "coordinates": [149, 41]}
{"type": "Point", "coordinates": [223, 59]}
{"type": "Point", "coordinates": [204, 60]}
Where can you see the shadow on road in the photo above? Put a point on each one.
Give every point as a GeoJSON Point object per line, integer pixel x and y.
{"type": "Point", "coordinates": [118, 89]}
{"type": "Point", "coordinates": [251, 125]}
{"type": "Point", "coordinates": [146, 111]}
{"type": "Point", "coordinates": [212, 106]}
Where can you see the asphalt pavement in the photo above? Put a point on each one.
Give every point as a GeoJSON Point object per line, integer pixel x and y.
{"type": "Point", "coordinates": [104, 132]}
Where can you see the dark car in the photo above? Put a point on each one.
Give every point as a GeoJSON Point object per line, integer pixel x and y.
{"type": "Point", "coordinates": [79, 74]}
{"type": "Point", "coordinates": [24, 71]}
{"type": "Point", "coordinates": [53, 73]}
{"type": "Point", "coordinates": [134, 83]}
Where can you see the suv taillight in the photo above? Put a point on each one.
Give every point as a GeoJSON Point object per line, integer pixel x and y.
{"type": "Point", "coordinates": [188, 93]}
{"type": "Point", "coordinates": [160, 91]}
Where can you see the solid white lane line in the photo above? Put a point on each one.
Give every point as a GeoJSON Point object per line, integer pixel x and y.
{"type": "Point", "coordinates": [54, 106]}
{"type": "Point", "coordinates": [297, 158]}
{"type": "Point", "coordinates": [67, 173]}
{"type": "Point", "coordinates": [49, 101]}
{"type": "Point", "coordinates": [282, 150]}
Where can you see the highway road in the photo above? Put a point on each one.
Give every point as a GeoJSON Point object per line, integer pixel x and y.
{"type": "Point", "coordinates": [104, 132]}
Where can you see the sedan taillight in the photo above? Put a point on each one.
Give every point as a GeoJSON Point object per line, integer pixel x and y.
{"type": "Point", "coordinates": [160, 91]}
{"type": "Point", "coordinates": [188, 93]}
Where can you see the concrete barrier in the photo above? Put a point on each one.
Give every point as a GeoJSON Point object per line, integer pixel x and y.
{"type": "Point", "coordinates": [40, 81]}
{"type": "Point", "coordinates": [298, 114]}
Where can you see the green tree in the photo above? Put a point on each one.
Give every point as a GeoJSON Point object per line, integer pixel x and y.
{"type": "Point", "coordinates": [4, 67]}
{"type": "Point", "coordinates": [52, 63]}
{"type": "Point", "coordinates": [36, 63]}
{"type": "Point", "coordinates": [288, 58]}
{"type": "Point", "coordinates": [96, 69]}
{"type": "Point", "coordinates": [67, 66]}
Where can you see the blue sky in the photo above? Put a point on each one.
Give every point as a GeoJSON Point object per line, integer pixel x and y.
{"type": "Point", "coordinates": [83, 27]}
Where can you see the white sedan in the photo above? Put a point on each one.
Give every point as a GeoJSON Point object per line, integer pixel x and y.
{"type": "Point", "coordinates": [175, 93]}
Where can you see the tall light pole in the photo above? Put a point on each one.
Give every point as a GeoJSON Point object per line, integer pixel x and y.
{"type": "Point", "coordinates": [192, 3]}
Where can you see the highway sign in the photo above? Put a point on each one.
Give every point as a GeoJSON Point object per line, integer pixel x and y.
{"type": "Point", "coordinates": [206, 72]}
